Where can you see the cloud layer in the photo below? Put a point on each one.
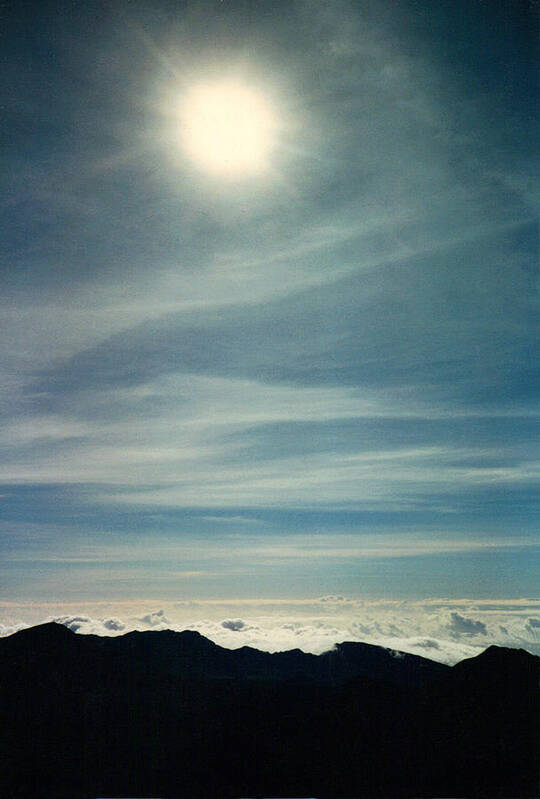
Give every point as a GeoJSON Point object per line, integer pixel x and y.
{"type": "Point", "coordinates": [438, 629]}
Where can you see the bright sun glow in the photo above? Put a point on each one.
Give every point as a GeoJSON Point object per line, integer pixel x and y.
{"type": "Point", "coordinates": [228, 128]}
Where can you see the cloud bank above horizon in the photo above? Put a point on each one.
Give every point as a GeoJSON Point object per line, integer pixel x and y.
{"type": "Point", "coordinates": [440, 630]}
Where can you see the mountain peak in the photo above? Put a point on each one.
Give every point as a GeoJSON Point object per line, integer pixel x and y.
{"type": "Point", "coordinates": [500, 666]}
{"type": "Point", "coordinates": [501, 654]}
{"type": "Point", "coordinates": [47, 630]}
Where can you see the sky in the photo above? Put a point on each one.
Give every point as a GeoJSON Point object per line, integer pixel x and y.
{"type": "Point", "coordinates": [299, 388]}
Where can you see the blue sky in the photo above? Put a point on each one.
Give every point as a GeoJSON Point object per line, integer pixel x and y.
{"type": "Point", "coordinates": [319, 380]}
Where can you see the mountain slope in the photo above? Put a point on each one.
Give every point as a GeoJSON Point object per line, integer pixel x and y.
{"type": "Point", "coordinates": [172, 714]}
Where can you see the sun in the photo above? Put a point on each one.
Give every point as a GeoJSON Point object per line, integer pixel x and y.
{"type": "Point", "coordinates": [228, 128]}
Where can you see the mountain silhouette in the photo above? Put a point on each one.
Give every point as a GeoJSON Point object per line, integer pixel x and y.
{"type": "Point", "coordinates": [167, 714]}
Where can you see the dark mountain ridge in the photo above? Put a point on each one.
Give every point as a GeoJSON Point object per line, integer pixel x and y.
{"type": "Point", "coordinates": [188, 654]}
{"type": "Point", "coordinates": [174, 715]}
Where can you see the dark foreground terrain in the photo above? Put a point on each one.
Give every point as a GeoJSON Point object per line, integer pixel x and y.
{"type": "Point", "coordinates": [164, 714]}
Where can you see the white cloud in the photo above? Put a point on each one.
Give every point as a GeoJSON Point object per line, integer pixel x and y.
{"type": "Point", "coordinates": [460, 625]}
{"type": "Point", "coordinates": [155, 620]}
{"type": "Point", "coordinates": [90, 626]}
{"type": "Point", "coordinates": [187, 451]}
{"type": "Point", "coordinates": [115, 625]}
{"type": "Point", "coordinates": [333, 599]}
{"type": "Point", "coordinates": [9, 629]}
{"type": "Point", "coordinates": [533, 626]}
{"type": "Point", "coordinates": [234, 624]}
